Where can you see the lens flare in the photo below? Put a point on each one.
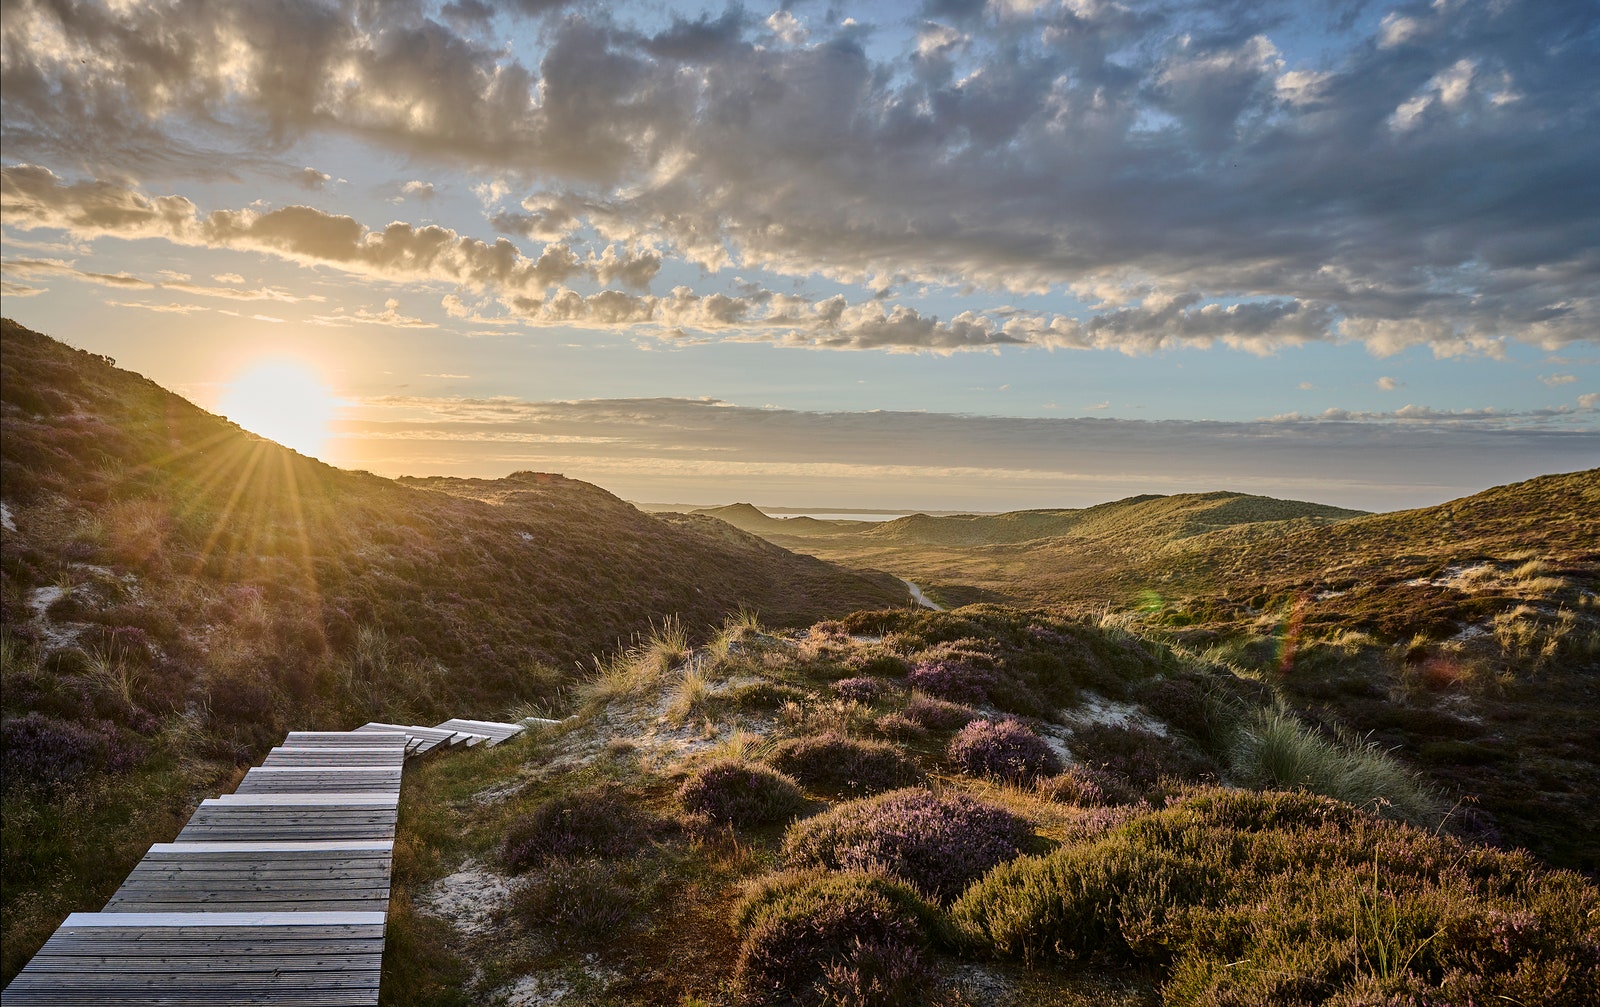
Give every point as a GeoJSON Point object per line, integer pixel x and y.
{"type": "Point", "coordinates": [284, 401]}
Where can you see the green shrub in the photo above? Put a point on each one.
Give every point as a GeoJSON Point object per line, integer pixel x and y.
{"type": "Point", "coordinates": [817, 937]}
{"type": "Point", "coordinates": [1278, 898]}
{"type": "Point", "coordinates": [740, 793]}
{"type": "Point", "coordinates": [834, 762]}
{"type": "Point", "coordinates": [592, 821]}
{"type": "Point", "coordinates": [938, 842]}
{"type": "Point", "coordinates": [582, 897]}
{"type": "Point", "coordinates": [1141, 757]}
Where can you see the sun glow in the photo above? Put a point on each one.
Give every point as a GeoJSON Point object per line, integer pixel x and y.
{"type": "Point", "coordinates": [282, 400]}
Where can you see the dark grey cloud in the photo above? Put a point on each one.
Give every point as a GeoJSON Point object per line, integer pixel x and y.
{"type": "Point", "coordinates": [1426, 181]}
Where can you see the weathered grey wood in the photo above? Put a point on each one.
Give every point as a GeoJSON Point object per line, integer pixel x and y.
{"type": "Point", "coordinates": [335, 757]}
{"type": "Point", "coordinates": [274, 895]}
{"type": "Point", "coordinates": [344, 739]}
{"type": "Point", "coordinates": [319, 779]}
{"type": "Point", "coordinates": [495, 731]}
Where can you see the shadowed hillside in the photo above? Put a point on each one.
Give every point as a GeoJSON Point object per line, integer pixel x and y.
{"type": "Point", "coordinates": [176, 593]}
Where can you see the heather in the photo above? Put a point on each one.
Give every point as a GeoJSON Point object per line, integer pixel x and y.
{"type": "Point", "coordinates": [938, 842]}
{"type": "Point", "coordinates": [831, 761]}
{"type": "Point", "coordinates": [590, 821]}
{"type": "Point", "coordinates": [1361, 908]}
{"type": "Point", "coordinates": [832, 938]}
{"type": "Point", "coordinates": [737, 793]}
{"type": "Point", "coordinates": [1003, 749]}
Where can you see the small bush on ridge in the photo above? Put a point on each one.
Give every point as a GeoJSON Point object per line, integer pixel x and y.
{"type": "Point", "coordinates": [1003, 749]}
{"type": "Point", "coordinates": [833, 761]}
{"type": "Point", "coordinates": [1141, 757]}
{"type": "Point", "coordinates": [1088, 787]}
{"type": "Point", "coordinates": [938, 842]}
{"type": "Point", "coordinates": [741, 793]}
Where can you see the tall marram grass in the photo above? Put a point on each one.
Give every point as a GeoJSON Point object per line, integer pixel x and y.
{"type": "Point", "coordinates": [636, 668]}
{"type": "Point", "coordinates": [1274, 750]}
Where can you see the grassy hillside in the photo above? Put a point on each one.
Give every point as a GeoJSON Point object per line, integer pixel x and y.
{"type": "Point", "coordinates": [1465, 636]}
{"type": "Point", "coordinates": [988, 806]}
{"type": "Point", "coordinates": [176, 593]}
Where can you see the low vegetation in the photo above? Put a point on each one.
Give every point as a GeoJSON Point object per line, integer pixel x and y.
{"type": "Point", "coordinates": [1134, 873]}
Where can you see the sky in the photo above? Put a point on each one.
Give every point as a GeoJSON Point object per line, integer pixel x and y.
{"type": "Point", "coordinates": [943, 255]}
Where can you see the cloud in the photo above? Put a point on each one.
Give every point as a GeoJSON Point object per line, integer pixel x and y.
{"type": "Point", "coordinates": [632, 444]}
{"type": "Point", "coordinates": [1389, 384]}
{"type": "Point", "coordinates": [311, 178]}
{"type": "Point", "coordinates": [390, 316]}
{"type": "Point", "coordinates": [1557, 380]}
{"type": "Point", "coordinates": [56, 267]}
{"type": "Point", "coordinates": [1181, 149]}
{"type": "Point", "coordinates": [418, 190]}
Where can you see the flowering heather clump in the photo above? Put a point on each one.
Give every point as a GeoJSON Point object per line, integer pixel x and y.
{"type": "Point", "coordinates": [44, 751]}
{"type": "Point", "coordinates": [955, 680]}
{"type": "Point", "coordinates": [861, 689]}
{"type": "Point", "coordinates": [937, 714]}
{"type": "Point", "coordinates": [597, 820]}
{"type": "Point", "coordinates": [1003, 749]}
{"type": "Point", "coordinates": [1363, 911]}
{"type": "Point", "coordinates": [940, 843]}
{"type": "Point", "coordinates": [814, 938]}
{"type": "Point", "coordinates": [835, 762]}
{"type": "Point", "coordinates": [1088, 787]}
{"type": "Point", "coordinates": [730, 791]}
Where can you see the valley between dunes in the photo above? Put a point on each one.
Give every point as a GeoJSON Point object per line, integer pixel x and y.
{"type": "Point", "coordinates": [1200, 749]}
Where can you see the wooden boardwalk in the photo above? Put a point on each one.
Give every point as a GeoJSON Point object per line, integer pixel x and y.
{"type": "Point", "coordinates": [275, 894]}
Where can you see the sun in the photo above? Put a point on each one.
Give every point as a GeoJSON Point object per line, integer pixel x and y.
{"type": "Point", "coordinates": [283, 400]}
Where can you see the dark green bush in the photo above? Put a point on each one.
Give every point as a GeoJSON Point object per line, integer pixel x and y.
{"type": "Point", "coordinates": [816, 937]}
{"type": "Point", "coordinates": [938, 842]}
{"type": "Point", "coordinates": [1142, 757]}
{"type": "Point", "coordinates": [581, 897]}
{"type": "Point", "coordinates": [738, 793]}
{"type": "Point", "coordinates": [831, 761]}
{"type": "Point", "coordinates": [588, 822]}
{"type": "Point", "coordinates": [1278, 898]}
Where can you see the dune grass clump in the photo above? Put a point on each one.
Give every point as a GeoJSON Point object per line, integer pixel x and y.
{"type": "Point", "coordinates": [731, 792]}
{"type": "Point", "coordinates": [877, 664]}
{"type": "Point", "coordinates": [933, 714]}
{"type": "Point", "coordinates": [594, 821]}
{"type": "Point", "coordinates": [896, 726]}
{"type": "Point", "coordinates": [1004, 750]}
{"type": "Point", "coordinates": [1363, 910]}
{"type": "Point", "coordinates": [834, 762]}
{"type": "Point", "coordinates": [815, 938]}
{"type": "Point", "coordinates": [1273, 749]}
{"type": "Point", "coordinates": [938, 842]}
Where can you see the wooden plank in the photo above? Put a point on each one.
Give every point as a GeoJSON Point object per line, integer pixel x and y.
{"type": "Point", "coordinates": [344, 739]}
{"type": "Point", "coordinates": [495, 731]}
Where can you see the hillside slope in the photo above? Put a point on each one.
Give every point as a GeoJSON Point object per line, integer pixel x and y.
{"type": "Point", "coordinates": [175, 593]}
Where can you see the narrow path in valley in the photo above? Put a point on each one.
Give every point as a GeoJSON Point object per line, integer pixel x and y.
{"type": "Point", "coordinates": [920, 598]}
